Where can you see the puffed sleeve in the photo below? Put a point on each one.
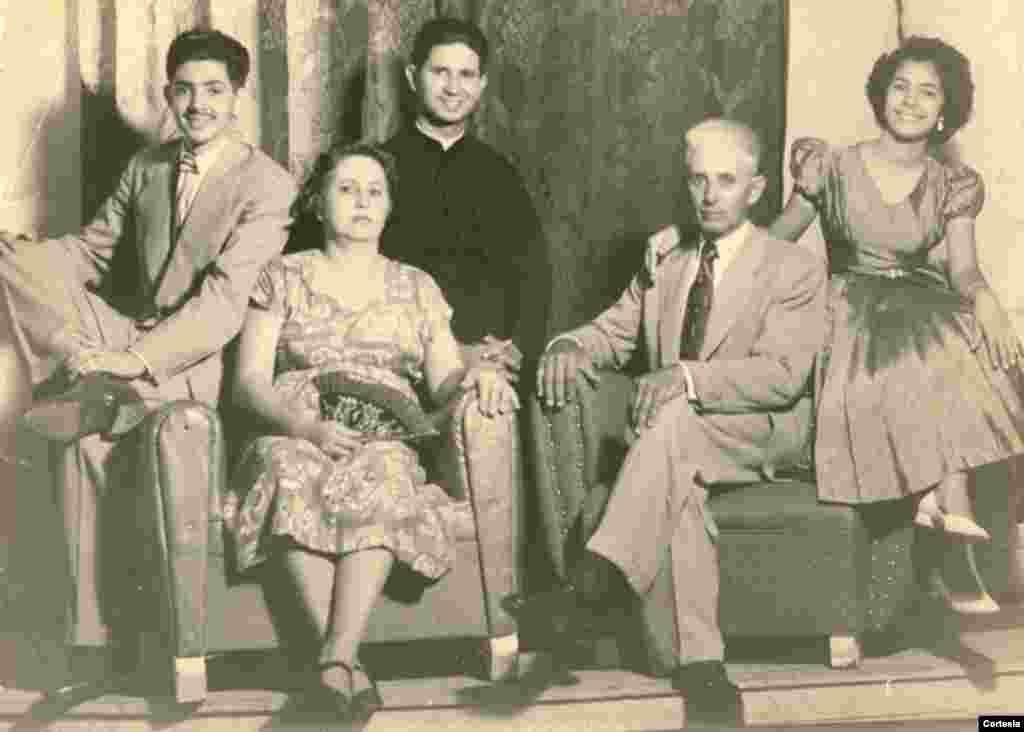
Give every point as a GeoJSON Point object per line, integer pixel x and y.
{"type": "Point", "coordinates": [436, 312]}
{"type": "Point", "coordinates": [966, 193]}
{"type": "Point", "coordinates": [268, 292]}
{"type": "Point", "coordinates": [808, 163]}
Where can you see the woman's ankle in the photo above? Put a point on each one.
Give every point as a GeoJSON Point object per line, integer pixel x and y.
{"type": "Point", "coordinates": [338, 650]}
{"type": "Point", "coordinates": [954, 497]}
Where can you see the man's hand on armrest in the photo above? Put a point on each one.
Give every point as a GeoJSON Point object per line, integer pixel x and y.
{"type": "Point", "coordinates": [653, 390]}
{"type": "Point", "coordinates": [562, 371]}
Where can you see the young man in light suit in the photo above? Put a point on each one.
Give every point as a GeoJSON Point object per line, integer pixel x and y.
{"type": "Point", "coordinates": [200, 215]}
{"type": "Point", "coordinates": [732, 323]}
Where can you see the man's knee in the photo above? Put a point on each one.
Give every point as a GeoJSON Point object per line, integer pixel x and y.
{"type": "Point", "coordinates": [677, 422]}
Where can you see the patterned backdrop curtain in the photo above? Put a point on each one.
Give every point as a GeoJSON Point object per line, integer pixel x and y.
{"type": "Point", "coordinates": [588, 97]}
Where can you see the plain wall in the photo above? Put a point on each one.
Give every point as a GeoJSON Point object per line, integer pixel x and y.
{"type": "Point", "coordinates": [832, 46]}
{"type": "Point", "coordinates": [40, 145]}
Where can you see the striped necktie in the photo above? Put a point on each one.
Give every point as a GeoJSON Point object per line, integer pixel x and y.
{"type": "Point", "coordinates": [698, 304]}
{"type": "Point", "coordinates": [188, 182]}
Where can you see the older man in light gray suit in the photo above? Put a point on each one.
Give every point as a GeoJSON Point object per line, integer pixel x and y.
{"type": "Point", "coordinates": [201, 215]}
{"type": "Point", "coordinates": [731, 323]}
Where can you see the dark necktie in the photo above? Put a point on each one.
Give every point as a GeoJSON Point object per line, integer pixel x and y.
{"type": "Point", "coordinates": [698, 304]}
{"type": "Point", "coordinates": [188, 173]}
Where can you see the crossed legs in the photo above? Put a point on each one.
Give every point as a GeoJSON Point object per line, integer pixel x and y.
{"type": "Point", "coordinates": [337, 596]}
{"type": "Point", "coordinates": [657, 520]}
{"type": "Point", "coordinates": [658, 503]}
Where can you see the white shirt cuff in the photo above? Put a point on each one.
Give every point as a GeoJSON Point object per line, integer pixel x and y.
{"type": "Point", "coordinates": [691, 390]}
{"type": "Point", "coordinates": [564, 337]}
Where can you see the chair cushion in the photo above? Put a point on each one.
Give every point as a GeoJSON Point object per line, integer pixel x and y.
{"type": "Point", "coordinates": [789, 564]}
{"type": "Point", "coordinates": [775, 505]}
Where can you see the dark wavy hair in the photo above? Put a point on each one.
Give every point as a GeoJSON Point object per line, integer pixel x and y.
{"type": "Point", "coordinates": [306, 227]}
{"type": "Point", "coordinates": [954, 73]}
{"type": "Point", "coordinates": [444, 30]}
{"type": "Point", "coordinates": [209, 45]}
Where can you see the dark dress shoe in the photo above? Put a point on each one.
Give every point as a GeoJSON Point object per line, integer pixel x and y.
{"type": "Point", "coordinates": [596, 596]}
{"type": "Point", "coordinates": [98, 403]}
{"type": "Point", "coordinates": [555, 609]}
{"type": "Point", "coordinates": [600, 583]}
{"type": "Point", "coordinates": [711, 698]}
{"type": "Point", "coordinates": [368, 700]}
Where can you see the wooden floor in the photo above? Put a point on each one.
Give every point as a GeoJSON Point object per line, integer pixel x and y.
{"type": "Point", "coordinates": [943, 689]}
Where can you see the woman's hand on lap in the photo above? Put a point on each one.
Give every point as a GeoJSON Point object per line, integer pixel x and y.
{"type": "Point", "coordinates": [334, 439]}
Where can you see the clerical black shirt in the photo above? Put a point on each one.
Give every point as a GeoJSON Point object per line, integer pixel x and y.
{"type": "Point", "coordinates": [464, 216]}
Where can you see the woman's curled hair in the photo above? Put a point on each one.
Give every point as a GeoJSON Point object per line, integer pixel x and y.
{"type": "Point", "coordinates": [306, 206]}
{"type": "Point", "coordinates": [954, 72]}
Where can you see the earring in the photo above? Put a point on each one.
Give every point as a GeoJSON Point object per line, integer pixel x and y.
{"type": "Point", "coordinates": [941, 125]}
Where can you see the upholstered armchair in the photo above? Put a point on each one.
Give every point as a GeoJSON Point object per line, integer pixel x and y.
{"type": "Point", "coordinates": [790, 566]}
{"type": "Point", "coordinates": [205, 608]}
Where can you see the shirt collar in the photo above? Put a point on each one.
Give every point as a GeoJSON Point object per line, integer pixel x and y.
{"type": "Point", "coordinates": [207, 155]}
{"type": "Point", "coordinates": [730, 244]}
{"type": "Point", "coordinates": [446, 143]}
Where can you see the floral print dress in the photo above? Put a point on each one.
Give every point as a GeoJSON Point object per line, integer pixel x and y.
{"type": "Point", "coordinates": [377, 496]}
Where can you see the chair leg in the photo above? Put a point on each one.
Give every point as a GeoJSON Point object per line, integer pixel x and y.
{"type": "Point", "coordinates": [501, 657]}
{"type": "Point", "coordinates": [189, 679]}
{"type": "Point", "coordinates": [843, 651]}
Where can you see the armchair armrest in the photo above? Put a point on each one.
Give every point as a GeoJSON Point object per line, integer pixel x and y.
{"type": "Point", "coordinates": [577, 452]}
{"type": "Point", "coordinates": [480, 461]}
{"type": "Point", "coordinates": [181, 474]}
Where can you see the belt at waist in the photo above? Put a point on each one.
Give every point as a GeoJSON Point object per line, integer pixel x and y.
{"type": "Point", "coordinates": [910, 273]}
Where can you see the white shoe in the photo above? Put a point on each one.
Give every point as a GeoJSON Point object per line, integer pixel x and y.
{"type": "Point", "coordinates": [931, 516]}
{"type": "Point", "coordinates": [975, 601]}
{"type": "Point", "coordinates": [964, 603]}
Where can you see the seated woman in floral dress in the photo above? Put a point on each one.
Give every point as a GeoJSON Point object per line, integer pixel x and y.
{"type": "Point", "coordinates": [337, 506]}
{"type": "Point", "coordinates": [920, 382]}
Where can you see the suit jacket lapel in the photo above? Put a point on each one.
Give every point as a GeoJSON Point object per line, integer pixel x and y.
{"type": "Point", "coordinates": [673, 305]}
{"type": "Point", "coordinates": [196, 243]}
{"type": "Point", "coordinates": [213, 192]}
{"type": "Point", "coordinates": [733, 292]}
{"type": "Point", "coordinates": [156, 202]}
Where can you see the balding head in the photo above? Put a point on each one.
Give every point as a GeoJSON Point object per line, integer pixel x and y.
{"type": "Point", "coordinates": [723, 131]}
{"type": "Point", "coordinates": [722, 161]}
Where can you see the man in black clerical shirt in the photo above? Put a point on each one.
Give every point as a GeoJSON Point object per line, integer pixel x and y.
{"type": "Point", "coordinates": [462, 212]}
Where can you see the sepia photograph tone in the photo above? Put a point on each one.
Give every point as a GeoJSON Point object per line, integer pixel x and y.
{"type": "Point", "coordinates": [527, 365]}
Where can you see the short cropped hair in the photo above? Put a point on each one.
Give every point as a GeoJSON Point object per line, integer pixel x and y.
{"type": "Point", "coordinates": [307, 204]}
{"type": "Point", "coordinates": [443, 31]}
{"type": "Point", "coordinates": [746, 137]}
{"type": "Point", "coordinates": [209, 45]}
{"type": "Point", "coordinates": [954, 74]}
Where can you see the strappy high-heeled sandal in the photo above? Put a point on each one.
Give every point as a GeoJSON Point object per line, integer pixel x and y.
{"type": "Point", "coordinates": [931, 516]}
{"type": "Point", "coordinates": [974, 600]}
{"type": "Point", "coordinates": [327, 698]}
{"type": "Point", "coordinates": [367, 700]}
